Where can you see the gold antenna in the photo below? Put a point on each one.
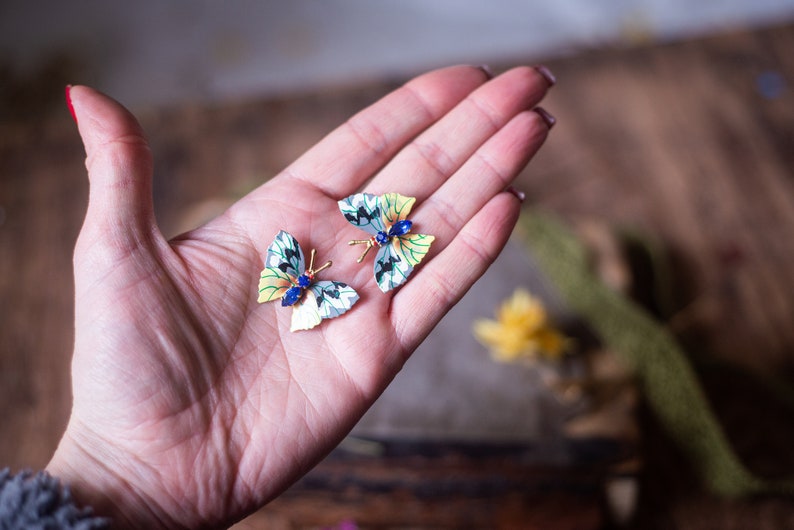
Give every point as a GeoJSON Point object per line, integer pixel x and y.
{"type": "Point", "coordinates": [325, 266]}
{"type": "Point", "coordinates": [367, 242]}
{"type": "Point", "coordinates": [311, 260]}
{"type": "Point", "coordinates": [311, 264]}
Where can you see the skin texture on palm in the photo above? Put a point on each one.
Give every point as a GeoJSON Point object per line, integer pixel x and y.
{"type": "Point", "coordinates": [193, 404]}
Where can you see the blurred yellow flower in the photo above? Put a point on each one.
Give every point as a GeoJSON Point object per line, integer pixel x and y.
{"type": "Point", "coordinates": [521, 330]}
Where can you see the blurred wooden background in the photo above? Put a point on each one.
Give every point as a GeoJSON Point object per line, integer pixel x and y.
{"type": "Point", "coordinates": [691, 142]}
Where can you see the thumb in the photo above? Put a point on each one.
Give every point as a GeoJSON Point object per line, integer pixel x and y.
{"type": "Point", "coordinates": [119, 163]}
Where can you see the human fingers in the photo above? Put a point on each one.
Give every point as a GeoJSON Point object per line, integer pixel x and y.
{"type": "Point", "coordinates": [441, 283]}
{"type": "Point", "coordinates": [488, 172]}
{"type": "Point", "coordinates": [119, 165]}
{"type": "Point", "coordinates": [427, 162]}
{"type": "Point", "coordinates": [345, 159]}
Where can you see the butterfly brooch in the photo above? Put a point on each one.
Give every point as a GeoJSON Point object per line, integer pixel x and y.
{"type": "Point", "coordinates": [384, 218]}
{"type": "Point", "coordinates": [285, 277]}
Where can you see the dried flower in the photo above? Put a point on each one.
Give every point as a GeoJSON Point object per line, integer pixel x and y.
{"type": "Point", "coordinates": [521, 330]}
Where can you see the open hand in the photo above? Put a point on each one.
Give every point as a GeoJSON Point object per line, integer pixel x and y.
{"type": "Point", "coordinates": [193, 404]}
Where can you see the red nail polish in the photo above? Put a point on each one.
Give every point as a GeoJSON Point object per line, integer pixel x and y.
{"type": "Point", "coordinates": [548, 119]}
{"type": "Point", "coordinates": [69, 102]}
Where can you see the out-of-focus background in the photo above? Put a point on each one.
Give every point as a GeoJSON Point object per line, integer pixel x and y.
{"type": "Point", "coordinates": [172, 52]}
{"type": "Point", "coordinates": [672, 161]}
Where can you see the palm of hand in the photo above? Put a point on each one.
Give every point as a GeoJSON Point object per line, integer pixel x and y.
{"type": "Point", "coordinates": [201, 398]}
{"type": "Point", "coordinates": [229, 379]}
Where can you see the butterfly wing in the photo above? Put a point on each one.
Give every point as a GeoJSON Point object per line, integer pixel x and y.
{"type": "Point", "coordinates": [391, 269]}
{"type": "Point", "coordinates": [285, 254]}
{"type": "Point", "coordinates": [395, 261]}
{"type": "Point", "coordinates": [395, 207]}
{"type": "Point", "coordinates": [324, 299]}
{"type": "Point", "coordinates": [364, 211]}
{"type": "Point", "coordinates": [333, 298]}
{"type": "Point", "coordinates": [412, 247]}
{"type": "Point", "coordinates": [283, 264]}
{"type": "Point", "coordinates": [305, 314]}
{"type": "Point", "coordinates": [273, 283]}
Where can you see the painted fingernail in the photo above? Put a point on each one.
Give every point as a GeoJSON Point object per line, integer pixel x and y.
{"type": "Point", "coordinates": [69, 102]}
{"type": "Point", "coordinates": [520, 195]}
{"type": "Point", "coordinates": [547, 118]}
{"type": "Point", "coordinates": [487, 70]}
{"type": "Point", "coordinates": [547, 75]}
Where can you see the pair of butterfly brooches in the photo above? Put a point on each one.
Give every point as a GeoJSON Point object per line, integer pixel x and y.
{"type": "Point", "coordinates": [384, 217]}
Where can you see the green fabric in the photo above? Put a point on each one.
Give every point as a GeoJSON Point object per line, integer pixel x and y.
{"type": "Point", "coordinates": [667, 378]}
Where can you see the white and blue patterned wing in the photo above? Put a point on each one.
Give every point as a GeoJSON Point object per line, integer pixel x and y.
{"type": "Point", "coordinates": [363, 210]}
{"type": "Point", "coordinates": [285, 254]}
{"type": "Point", "coordinates": [332, 298]}
{"type": "Point", "coordinates": [391, 268]}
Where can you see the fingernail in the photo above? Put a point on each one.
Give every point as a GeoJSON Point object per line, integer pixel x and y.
{"type": "Point", "coordinates": [520, 195]}
{"type": "Point", "coordinates": [69, 102]}
{"type": "Point", "coordinates": [487, 70]}
{"type": "Point", "coordinates": [546, 73]}
{"type": "Point", "coordinates": [547, 118]}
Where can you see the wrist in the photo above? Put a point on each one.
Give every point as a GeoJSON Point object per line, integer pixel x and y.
{"type": "Point", "coordinates": [96, 479]}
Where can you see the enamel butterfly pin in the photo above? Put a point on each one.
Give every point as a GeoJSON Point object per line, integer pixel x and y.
{"type": "Point", "coordinates": [285, 277]}
{"type": "Point", "coordinates": [384, 217]}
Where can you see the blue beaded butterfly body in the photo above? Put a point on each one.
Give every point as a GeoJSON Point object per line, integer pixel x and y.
{"type": "Point", "coordinates": [384, 217]}
{"type": "Point", "coordinates": [286, 277]}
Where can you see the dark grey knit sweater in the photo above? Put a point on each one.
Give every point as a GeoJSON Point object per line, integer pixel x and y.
{"type": "Point", "coordinates": [39, 502]}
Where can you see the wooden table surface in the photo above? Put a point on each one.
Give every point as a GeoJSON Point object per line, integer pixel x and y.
{"type": "Point", "coordinates": [691, 142]}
